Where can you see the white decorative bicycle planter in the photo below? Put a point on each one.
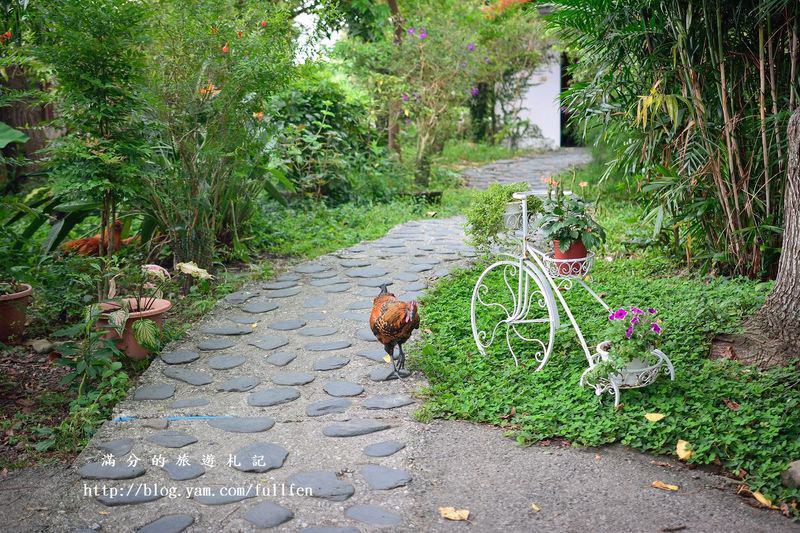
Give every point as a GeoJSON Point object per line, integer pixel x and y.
{"type": "Point", "coordinates": [516, 300]}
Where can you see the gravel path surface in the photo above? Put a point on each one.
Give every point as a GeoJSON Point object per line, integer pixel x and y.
{"type": "Point", "coordinates": [282, 390]}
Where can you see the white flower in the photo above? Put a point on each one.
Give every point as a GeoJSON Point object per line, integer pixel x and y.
{"type": "Point", "coordinates": [193, 270]}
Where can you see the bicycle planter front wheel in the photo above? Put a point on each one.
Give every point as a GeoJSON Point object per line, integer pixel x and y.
{"type": "Point", "coordinates": [512, 302]}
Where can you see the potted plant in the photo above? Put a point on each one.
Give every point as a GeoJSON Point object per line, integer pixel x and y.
{"type": "Point", "coordinates": [628, 356]}
{"type": "Point", "coordinates": [492, 213]}
{"type": "Point", "coordinates": [14, 300]}
{"type": "Point", "coordinates": [567, 222]}
{"type": "Point", "coordinates": [137, 320]}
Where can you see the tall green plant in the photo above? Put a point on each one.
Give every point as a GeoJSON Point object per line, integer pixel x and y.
{"type": "Point", "coordinates": [95, 49]}
{"type": "Point", "coordinates": [212, 67]}
{"type": "Point", "coordinates": [693, 98]}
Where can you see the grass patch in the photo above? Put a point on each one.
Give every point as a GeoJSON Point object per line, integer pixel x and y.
{"type": "Point", "coordinates": [467, 153]}
{"type": "Point", "coordinates": [755, 442]}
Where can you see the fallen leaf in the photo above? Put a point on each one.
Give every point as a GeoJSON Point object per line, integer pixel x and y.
{"type": "Point", "coordinates": [387, 358]}
{"type": "Point", "coordinates": [664, 486]}
{"type": "Point", "coordinates": [733, 406]}
{"type": "Point", "coordinates": [510, 414]}
{"type": "Point", "coordinates": [654, 417]}
{"type": "Point", "coordinates": [763, 500]}
{"type": "Point", "coordinates": [683, 451]}
{"type": "Point", "coordinates": [729, 353]}
{"type": "Point", "coordinates": [535, 508]}
{"type": "Point", "coordinates": [451, 513]}
{"type": "Point", "coordinates": [785, 510]}
{"type": "Point", "coordinates": [661, 463]}
{"type": "Point", "coordinates": [104, 513]}
{"type": "Point", "coordinates": [431, 213]}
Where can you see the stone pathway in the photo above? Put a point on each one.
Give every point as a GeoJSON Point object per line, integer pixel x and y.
{"type": "Point", "coordinates": [278, 410]}
{"type": "Point", "coordinates": [530, 169]}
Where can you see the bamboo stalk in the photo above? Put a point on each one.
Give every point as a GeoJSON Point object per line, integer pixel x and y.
{"type": "Point", "coordinates": [762, 113]}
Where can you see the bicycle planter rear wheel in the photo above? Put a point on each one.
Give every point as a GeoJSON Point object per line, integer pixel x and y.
{"type": "Point", "coordinates": [513, 302]}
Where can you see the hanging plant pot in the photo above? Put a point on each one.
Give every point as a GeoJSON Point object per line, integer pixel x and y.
{"type": "Point", "coordinates": [128, 343]}
{"type": "Point", "coordinates": [576, 250]}
{"type": "Point", "coordinates": [13, 309]}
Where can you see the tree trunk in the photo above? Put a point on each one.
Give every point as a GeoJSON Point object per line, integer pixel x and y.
{"type": "Point", "coordinates": [781, 311]}
{"type": "Point", "coordinates": [394, 113]}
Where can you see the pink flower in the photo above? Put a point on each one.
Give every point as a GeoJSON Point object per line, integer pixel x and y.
{"type": "Point", "coordinates": [655, 327]}
{"type": "Point", "coordinates": [651, 311]}
{"type": "Point", "coordinates": [635, 320]}
{"type": "Point", "coordinates": [471, 47]}
{"type": "Point", "coordinates": [629, 332]}
{"type": "Point", "coordinates": [611, 316]}
{"type": "Point", "coordinates": [621, 313]}
{"type": "Point", "coordinates": [423, 34]}
{"type": "Point", "coordinates": [636, 311]}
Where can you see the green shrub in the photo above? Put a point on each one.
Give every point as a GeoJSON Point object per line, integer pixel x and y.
{"type": "Point", "coordinates": [485, 220]}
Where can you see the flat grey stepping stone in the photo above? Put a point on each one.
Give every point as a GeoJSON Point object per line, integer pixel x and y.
{"type": "Point", "coordinates": [354, 263]}
{"type": "Point", "coordinates": [368, 292]}
{"type": "Point", "coordinates": [373, 515]}
{"type": "Point", "coordinates": [117, 447]}
{"type": "Point", "coordinates": [288, 325]}
{"type": "Point", "coordinates": [330, 529]}
{"type": "Point", "coordinates": [335, 289]}
{"type": "Point", "coordinates": [216, 499]}
{"type": "Point", "coordinates": [366, 272]}
{"type": "Point", "coordinates": [154, 423]}
{"type": "Point", "coordinates": [276, 396]}
{"type": "Point", "coordinates": [284, 293]}
{"type": "Point", "coordinates": [228, 329]}
{"type": "Point", "coordinates": [386, 401]}
{"type": "Point", "coordinates": [244, 319]}
{"type": "Point", "coordinates": [362, 304]}
{"type": "Point", "coordinates": [406, 276]}
{"type": "Point", "coordinates": [311, 268]}
{"type": "Point", "coordinates": [326, 346]}
{"type": "Point", "coordinates": [156, 391]}
{"type": "Point", "coordinates": [427, 247]}
{"type": "Point", "coordinates": [281, 358]}
{"type": "Point", "coordinates": [179, 357]}
{"type": "Point", "coordinates": [323, 484]}
{"type": "Point", "coordinates": [292, 378]}
{"type": "Point", "coordinates": [239, 297]}
{"type": "Point", "coordinates": [413, 295]}
{"type": "Point", "coordinates": [324, 274]}
{"type": "Point", "coordinates": [327, 281]}
{"type": "Point", "coordinates": [330, 363]}
{"type": "Point", "coordinates": [171, 523]}
{"type": "Point", "coordinates": [468, 254]}
{"type": "Point", "coordinates": [358, 248]}
{"type": "Point", "coordinates": [226, 362]}
{"type": "Point", "coordinates": [268, 514]}
{"type": "Point", "coordinates": [215, 344]}
{"type": "Point", "coordinates": [118, 471]}
{"type": "Point", "coordinates": [415, 287]}
{"type": "Point", "coordinates": [259, 307]}
{"type": "Point", "coordinates": [383, 449]}
{"type": "Point", "coordinates": [283, 284]}
{"type": "Point", "coordinates": [386, 373]}
{"type": "Point", "coordinates": [172, 439]}
{"type": "Point", "coordinates": [239, 384]}
{"type": "Point", "coordinates": [383, 478]}
{"type": "Point", "coordinates": [374, 354]}
{"type": "Point", "coordinates": [374, 282]}
{"type": "Point", "coordinates": [419, 268]}
{"type": "Point", "coordinates": [184, 472]}
{"type": "Point", "coordinates": [188, 402]}
{"type": "Point", "coordinates": [288, 276]}
{"type": "Point", "coordinates": [315, 301]}
{"type": "Point", "coordinates": [318, 331]}
{"type": "Point", "coordinates": [315, 315]}
{"type": "Point", "coordinates": [242, 424]}
{"type": "Point", "coordinates": [425, 261]}
{"type": "Point", "coordinates": [366, 335]}
{"type": "Point", "coordinates": [343, 388]}
{"type": "Point", "coordinates": [442, 272]}
{"type": "Point", "coordinates": [192, 377]}
{"type": "Point", "coordinates": [354, 428]}
{"type": "Point", "coordinates": [356, 316]}
{"type": "Point", "coordinates": [326, 407]}
{"type": "Point", "coordinates": [260, 457]}
{"type": "Point", "coordinates": [125, 498]}
{"type": "Point", "coordinates": [270, 342]}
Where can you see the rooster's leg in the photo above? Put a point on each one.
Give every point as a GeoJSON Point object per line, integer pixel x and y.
{"type": "Point", "coordinates": [401, 365]}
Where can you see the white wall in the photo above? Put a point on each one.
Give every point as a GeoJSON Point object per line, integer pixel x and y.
{"type": "Point", "coordinates": [540, 104]}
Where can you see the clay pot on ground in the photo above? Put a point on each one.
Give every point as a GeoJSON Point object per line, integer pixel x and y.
{"type": "Point", "coordinates": [576, 250]}
{"type": "Point", "coordinates": [127, 343]}
{"type": "Point", "coordinates": [13, 308]}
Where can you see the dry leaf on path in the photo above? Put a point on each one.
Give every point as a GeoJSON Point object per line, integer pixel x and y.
{"type": "Point", "coordinates": [664, 486]}
{"type": "Point", "coordinates": [451, 513]}
{"type": "Point", "coordinates": [654, 417]}
{"type": "Point", "coordinates": [683, 451]}
{"type": "Point", "coordinates": [763, 500]}
{"type": "Point", "coordinates": [733, 406]}
{"type": "Point", "coordinates": [535, 508]}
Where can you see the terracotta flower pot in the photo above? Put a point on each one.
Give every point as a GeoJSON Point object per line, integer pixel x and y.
{"type": "Point", "coordinates": [12, 314]}
{"type": "Point", "coordinates": [128, 343]}
{"type": "Point", "coordinates": [576, 250]}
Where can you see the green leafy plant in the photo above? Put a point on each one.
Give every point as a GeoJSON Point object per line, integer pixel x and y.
{"type": "Point", "coordinates": [486, 224]}
{"type": "Point", "coordinates": [567, 218]}
{"type": "Point", "coordinates": [9, 286]}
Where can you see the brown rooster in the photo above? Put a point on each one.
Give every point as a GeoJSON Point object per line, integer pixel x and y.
{"type": "Point", "coordinates": [392, 322]}
{"type": "Point", "coordinates": [91, 245]}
